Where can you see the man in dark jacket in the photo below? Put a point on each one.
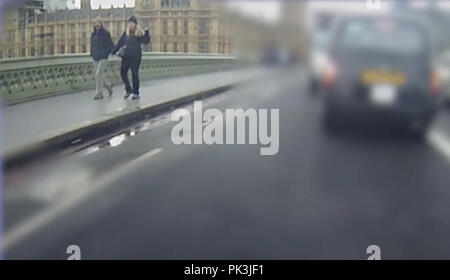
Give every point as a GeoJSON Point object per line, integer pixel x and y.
{"type": "Point", "coordinates": [101, 47]}
{"type": "Point", "coordinates": [131, 40]}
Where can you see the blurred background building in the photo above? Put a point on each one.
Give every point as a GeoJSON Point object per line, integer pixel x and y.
{"type": "Point", "coordinates": [283, 39]}
{"type": "Point", "coordinates": [48, 27]}
{"type": "Point", "coordinates": [436, 12]}
{"type": "Point", "coordinates": [322, 14]}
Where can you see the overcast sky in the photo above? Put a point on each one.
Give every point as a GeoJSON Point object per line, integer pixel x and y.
{"type": "Point", "coordinates": [266, 10]}
{"type": "Point", "coordinates": [269, 9]}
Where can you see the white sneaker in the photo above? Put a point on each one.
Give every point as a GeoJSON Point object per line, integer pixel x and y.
{"type": "Point", "coordinates": [135, 96]}
{"type": "Point", "coordinates": [98, 96]}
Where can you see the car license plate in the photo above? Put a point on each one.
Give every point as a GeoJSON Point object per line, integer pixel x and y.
{"type": "Point", "coordinates": [383, 94]}
{"type": "Point", "coordinates": [371, 77]}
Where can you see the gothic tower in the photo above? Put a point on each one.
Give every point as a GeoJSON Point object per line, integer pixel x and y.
{"type": "Point", "coordinates": [85, 4]}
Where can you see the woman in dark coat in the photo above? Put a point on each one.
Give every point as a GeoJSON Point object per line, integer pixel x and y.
{"type": "Point", "coordinates": [132, 40]}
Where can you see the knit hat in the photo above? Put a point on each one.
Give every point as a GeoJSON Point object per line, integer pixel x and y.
{"type": "Point", "coordinates": [133, 19]}
{"type": "Point", "coordinates": [98, 19]}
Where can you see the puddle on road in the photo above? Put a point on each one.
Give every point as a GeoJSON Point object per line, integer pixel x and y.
{"type": "Point", "coordinates": [28, 170]}
{"type": "Point", "coordinates": [117, 139]}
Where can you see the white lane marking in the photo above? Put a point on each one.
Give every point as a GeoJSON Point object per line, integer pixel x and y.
{"type": "Point", "coordinates": [440, 142]}
{"type": "Point", "coordinates": [42, 218]}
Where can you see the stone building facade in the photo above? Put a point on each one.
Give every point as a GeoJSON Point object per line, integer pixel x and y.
{"type": "Point", "coordinates": [192, 26]}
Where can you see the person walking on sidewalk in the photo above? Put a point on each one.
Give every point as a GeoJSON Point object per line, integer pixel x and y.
{"type": "Point", "coordinates": [129, 48]}
{"type": "Point", "coordinates": [101, 47]}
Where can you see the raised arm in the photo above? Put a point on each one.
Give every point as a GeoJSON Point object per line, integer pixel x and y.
{"type": "Point", "coordinates": [146, 38]}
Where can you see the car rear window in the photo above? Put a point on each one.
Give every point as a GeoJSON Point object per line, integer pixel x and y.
{"type": "Point", "coordinates": [382, 34]}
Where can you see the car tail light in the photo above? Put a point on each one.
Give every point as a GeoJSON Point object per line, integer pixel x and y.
{"type": "Point", "coordinates": [329, 74]}
{"type": "Point", "coordinates": [435, 83]}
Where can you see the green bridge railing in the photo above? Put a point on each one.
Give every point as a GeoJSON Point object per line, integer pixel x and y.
{"type": "Point", "coordinates": [25, 79]}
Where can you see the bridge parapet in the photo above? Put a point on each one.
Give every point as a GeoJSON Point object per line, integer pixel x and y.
{"type": "Point", "coordinates": [25, 79]}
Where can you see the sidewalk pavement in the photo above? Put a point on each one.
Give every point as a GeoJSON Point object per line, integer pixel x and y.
{"type": "Point", "coordinates": [27, 123]}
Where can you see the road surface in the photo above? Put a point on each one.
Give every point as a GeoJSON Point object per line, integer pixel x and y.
{"type": "Point", "coordinates": [321, 197]}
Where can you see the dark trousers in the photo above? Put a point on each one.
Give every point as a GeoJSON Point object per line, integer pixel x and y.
{"type": "Point", "coordinates": [133, 64]}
